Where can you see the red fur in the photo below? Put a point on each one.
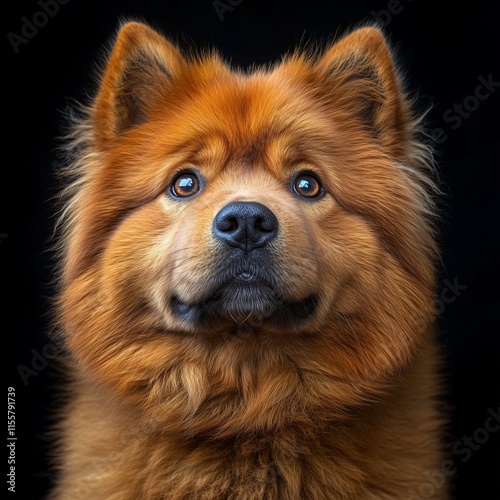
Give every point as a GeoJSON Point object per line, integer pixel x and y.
{"type": "Point", "coordinates": [342, 407]}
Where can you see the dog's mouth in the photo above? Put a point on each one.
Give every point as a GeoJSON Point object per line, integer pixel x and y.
{"type": "Point", "coordinates": [244, 299]}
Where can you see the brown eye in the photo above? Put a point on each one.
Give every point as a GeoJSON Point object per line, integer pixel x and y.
{"type": "Point", "coordinates": [185, 184]}
{"type": "Point", "coordinates": [307, 186]}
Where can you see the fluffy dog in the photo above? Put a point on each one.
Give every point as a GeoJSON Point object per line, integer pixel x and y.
{"type": "Point", "coordinates": [247, 280]}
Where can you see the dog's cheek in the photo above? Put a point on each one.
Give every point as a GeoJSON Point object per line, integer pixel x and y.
{"type": "Point", "coordinates": [193, 248]}
{"type": "Point", "coordinates": [352, 267]}
{"type": "Point", "coordinates": [295, 253]}
{"type": "Point", "coordinates": [344, 253]}
{"type": "Point", "coordinates": [136, 254]}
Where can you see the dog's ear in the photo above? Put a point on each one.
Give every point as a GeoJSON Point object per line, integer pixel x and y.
{"type": "Point", "coordinates": [139, 71]}
{"type": "Point", "coordinates": [360, 76]}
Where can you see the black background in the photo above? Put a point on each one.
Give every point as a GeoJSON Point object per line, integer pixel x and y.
{"type": "Point", "coordinates": [444, 48]}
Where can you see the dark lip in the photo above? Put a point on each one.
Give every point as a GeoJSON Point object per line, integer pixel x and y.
{"type": "Point", "coordinates": [245, 299]}
{"type": "Point", "coordinates": [244, 289]}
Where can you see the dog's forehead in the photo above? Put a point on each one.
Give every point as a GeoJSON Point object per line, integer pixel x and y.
{"type": "Point", "coordinates": [249, 118]}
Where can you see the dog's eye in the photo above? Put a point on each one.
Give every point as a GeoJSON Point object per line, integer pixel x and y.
{"type": "Point", "coordinates": [185, 184]}
{"type": "Point", "coordinates": [307, 186]}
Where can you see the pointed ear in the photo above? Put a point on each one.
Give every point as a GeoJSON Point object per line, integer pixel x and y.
{"type": "Point", "coordinates": [139, 71]}
{"type": "Point", "coordinates": [360, 75]}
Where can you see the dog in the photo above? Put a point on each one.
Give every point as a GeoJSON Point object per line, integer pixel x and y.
{"type": "Point", "coordinates": [247, 280]}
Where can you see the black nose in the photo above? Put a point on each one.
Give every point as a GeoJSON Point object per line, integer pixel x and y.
{"type": "Point", "coordinates": [245, 224]}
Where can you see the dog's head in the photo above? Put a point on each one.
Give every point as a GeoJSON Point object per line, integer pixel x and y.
{"type": "Point", "coordinates": [247, 249]}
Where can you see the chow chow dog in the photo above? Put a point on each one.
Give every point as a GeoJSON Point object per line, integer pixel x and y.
{"type": "Point", "coordinates": [247, 281]}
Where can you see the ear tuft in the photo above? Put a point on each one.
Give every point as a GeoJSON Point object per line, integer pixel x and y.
{"type": "Point", "coordinates": [141, 66]}
{"type": "Point", "coordinates": [360, 74]}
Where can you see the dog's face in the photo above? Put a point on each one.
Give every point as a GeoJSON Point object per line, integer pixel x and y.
{"type": "Point", "coordinates": [246, 250]}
